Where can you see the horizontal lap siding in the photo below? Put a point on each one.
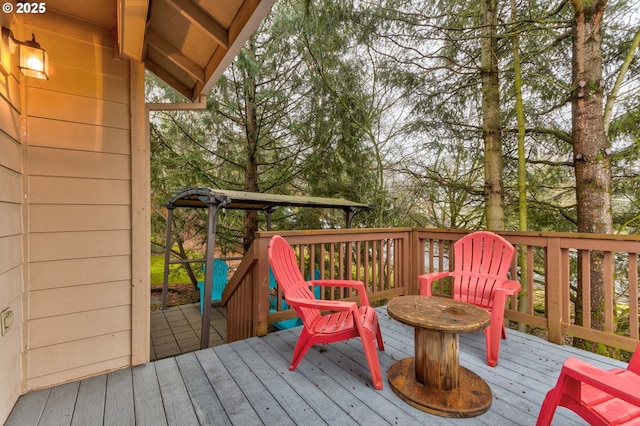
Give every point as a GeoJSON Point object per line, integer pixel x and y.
{"type": "Point", "coordinates": [69, 191]}
{"type": "Point", "coordinates": [56, 363]}
{"type": "Point", "coordinates": [11, 241]}
{"type": "Point", "coordinates": [46, 217]}
{"type": "Point", "coordinates": [80, 325]}
{"type": "Point", "coordinates": [58, 274]}
{"type": "Point", "coordinates": [78, 136]}
{"type": "Point", "coordinates": [73, 245]}
{"type": "Point", "coordinates": [79, 207]}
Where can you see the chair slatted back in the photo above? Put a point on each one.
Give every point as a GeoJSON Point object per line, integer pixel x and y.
{"type": "Point", "coordinates": [482, 259]}
{"type": "Point", "coordinates": [287, 273]}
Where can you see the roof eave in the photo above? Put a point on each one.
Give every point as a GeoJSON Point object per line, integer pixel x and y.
{"type": "Point", "coordinates": [132, 22]}
{"type": "Point", "coordinates": [238, 35]}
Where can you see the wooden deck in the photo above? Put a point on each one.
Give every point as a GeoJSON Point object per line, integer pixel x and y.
{"type": "Point", "coordinates": [176, 330]}
{"type": "Point", "coordinates": [248, 383]}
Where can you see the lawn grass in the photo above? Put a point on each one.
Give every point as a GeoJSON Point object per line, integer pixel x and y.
{"type": "Point", "coordinates": [177, 274]}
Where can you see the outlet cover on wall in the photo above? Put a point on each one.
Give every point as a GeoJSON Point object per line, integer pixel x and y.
{"type": "Point", "coordinates": [6, 320]}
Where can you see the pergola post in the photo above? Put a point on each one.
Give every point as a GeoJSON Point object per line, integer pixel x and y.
{"type": "Point", "coordinates": [167, 258]}
{"type": "Point", "coordinates": [214, 207]}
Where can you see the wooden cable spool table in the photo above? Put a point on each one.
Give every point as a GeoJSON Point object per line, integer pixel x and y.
{"type": "Point", "coordinates": [433, 380]}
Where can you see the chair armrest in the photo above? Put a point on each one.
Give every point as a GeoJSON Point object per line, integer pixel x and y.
{"type": "Point", "coordinates": [504, 289]}
{"type": "Point", "coordinates": [426, 281]}
{"type": "Point", "coordinates": [327, 305]}
{"type": "Point", "coordinates": [357, 285]}
{"type": "Point", "coordinates": [624, 387]}
{"type": "Point", "coordinates": [338, 283]}
{"type": "Point", "coordinates": [510, 287]}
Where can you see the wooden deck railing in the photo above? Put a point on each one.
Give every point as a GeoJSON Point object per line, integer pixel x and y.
{"type": "Point", "coordinates": [389, 261]}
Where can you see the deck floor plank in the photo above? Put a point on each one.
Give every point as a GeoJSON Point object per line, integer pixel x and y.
{"type": "Point", "coordinates": [177, 404]}
{"type": "Point", "coordinates": [278, 353]}
{"type": "Point", "coordinates": [147, 398]}
{"type": "Point", "coordinates": [249, 383]}
{"type": "Point", "coordinates": [89, 409]}
{"type": "Point", "coordinates": [203, 397]}
{"type": "Point", "coordinates": [28, 409]}
{"type": "Point", "coordinates": [60, 405]}
{"type": "Point", "coordinates": [322, 374]}
{"type": "Point", "coordinates": [258, 395]}
{"type": "Point", "coordinates": [119, 398]}
{"type": "Point", "coordinates": [270, 371]}
{"type": "Point", "coordinates": [237, 408]}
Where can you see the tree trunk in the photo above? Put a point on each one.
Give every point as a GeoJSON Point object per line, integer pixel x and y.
{"type": "Point", "coordinates": [591, 150]}
{"type": "Point", "coordinates": [493, 162]}
{"type": "Point", "coordinates": [251, 170]}
{"type": "Point", "coordinates": [182, 254]}
{"type": "Point", "coordinates": [523, 296]}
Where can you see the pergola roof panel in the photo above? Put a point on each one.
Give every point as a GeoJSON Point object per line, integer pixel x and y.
{"type": "Point", "coordinates": [203, 197]}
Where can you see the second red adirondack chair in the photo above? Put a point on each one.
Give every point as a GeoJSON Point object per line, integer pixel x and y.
{"type": "Point", "coordinates": [482, 262]}
{"type": "Point", "coordinates": [346, 321]}
{"type": "Point", "coordinates": [601, 397]}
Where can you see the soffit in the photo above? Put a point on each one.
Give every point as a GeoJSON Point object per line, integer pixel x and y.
{"type": "Point", "coordinates": [101, 12]}
{"type": "Point", "coordinates": [186, 43]}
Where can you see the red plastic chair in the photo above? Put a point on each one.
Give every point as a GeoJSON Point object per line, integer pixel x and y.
{"type": "Point", "coordinates": [482, 262]}
{"type": "Point", "coordinates": [347, 320]}
{"type": "Point", "coordinates": [601, 397]}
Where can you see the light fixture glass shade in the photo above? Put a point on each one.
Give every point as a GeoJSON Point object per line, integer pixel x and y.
{"type": "Point", "coordinates": [34, 61]}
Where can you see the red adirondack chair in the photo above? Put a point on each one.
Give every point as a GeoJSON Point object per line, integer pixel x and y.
{"type": "Point", "coordinates": [347, 320]}
{"type": "Point", "coordinates": [601, 397]}
{"type": "Point", "coordinates": [482, 262]}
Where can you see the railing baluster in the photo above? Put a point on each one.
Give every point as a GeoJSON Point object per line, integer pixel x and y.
{"type": "Point", "coordinates": [633, 296]}
{"type": "Point", "coordinates": [586, 288]}
{"type": "Point", "coordinates": [608, 292]}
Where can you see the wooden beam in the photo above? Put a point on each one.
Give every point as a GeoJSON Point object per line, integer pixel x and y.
{"type": "Point", "coordinates": [140, 218]}
{"type": "Point", "coordinates": [168, 78]}
{"type": "Point", "coordinates": [202, 19]}
{"type": "Point", "coordinates": [132, 20]}
{"type": "Point", "coordinates": [244, 24]}
{"type": "Point", "coordinates": [175, 56]}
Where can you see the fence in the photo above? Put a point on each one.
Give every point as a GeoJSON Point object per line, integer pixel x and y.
{"type": "Point", "coordinates": [549, 266]}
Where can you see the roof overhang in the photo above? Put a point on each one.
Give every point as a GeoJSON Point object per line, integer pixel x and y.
{"type": "Point", "coordinates": [189, 43]}
{"type": "Point", "coordinates": [186, 43]}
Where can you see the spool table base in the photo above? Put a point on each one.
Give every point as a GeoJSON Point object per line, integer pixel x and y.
{"type": "Point", "coordinates": [471, 398]}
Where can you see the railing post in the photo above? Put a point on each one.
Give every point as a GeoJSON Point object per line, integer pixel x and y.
{"type": "Point", "coordinates": [554, 289]}
{"type": "Point", "coordinates": [261, 286]}
{"type": "Point", "coordinates": [417, 261]}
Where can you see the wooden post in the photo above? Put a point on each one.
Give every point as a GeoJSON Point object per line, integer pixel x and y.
{"type": "Point", "coordinates": [554, 291]}
{"type": "Point", "coordinates": [437, 359]}
{"type": "Point", "coordinates": [167, 258]}
{"type": "Point", "coordinates": [208, 274]}
{"type": "Point", "coordinates": [417, 266]}
{"type": "Point", "coordinates": [261, 286]}
{"type": "Point", "coordinates": [140, 219]}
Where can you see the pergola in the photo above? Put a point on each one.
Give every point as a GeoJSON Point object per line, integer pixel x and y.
{"type": "Point", "coordinates": [215, 199]}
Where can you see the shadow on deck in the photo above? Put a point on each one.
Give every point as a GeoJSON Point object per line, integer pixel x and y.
{"type": "Point", "coordinates": [248, 382]}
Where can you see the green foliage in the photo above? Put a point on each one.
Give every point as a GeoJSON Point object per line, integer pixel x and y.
{"type": "Point", "coordinates": [380, 103]}
{"type": "Point", "coordinates": [177, 274]}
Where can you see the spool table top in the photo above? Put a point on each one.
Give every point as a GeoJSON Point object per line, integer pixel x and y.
{"type": "Point", "coordinates": [438, 313]}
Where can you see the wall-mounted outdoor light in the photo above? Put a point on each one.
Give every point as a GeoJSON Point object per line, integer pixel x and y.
{"type": "Point", "coordinates": [34, 61]}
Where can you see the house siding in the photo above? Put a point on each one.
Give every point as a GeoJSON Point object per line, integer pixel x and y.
{"type": "Point", "coordinates": [11, 239]}
{"type": "Point", "coordinates": [78, 172]}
